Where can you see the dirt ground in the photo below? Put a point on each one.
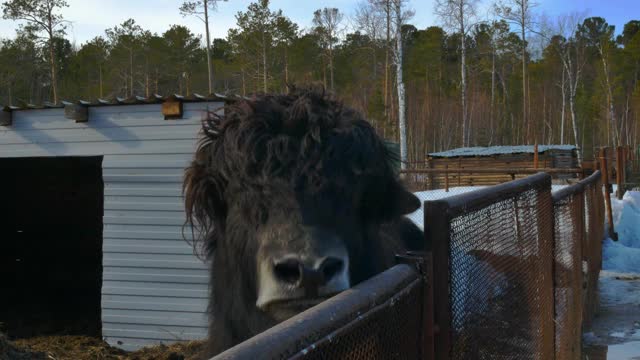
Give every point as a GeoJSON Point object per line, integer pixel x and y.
{"type": "Point", "coordinates": [88, 348]}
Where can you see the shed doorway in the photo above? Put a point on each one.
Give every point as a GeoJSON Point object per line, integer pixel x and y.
{"type": "Point", "coordinates": [50, 246]}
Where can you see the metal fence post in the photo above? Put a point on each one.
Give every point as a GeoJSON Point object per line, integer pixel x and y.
{"type": "Point", "coordinates": [607, 197]}
{"type": "Point", "coordinates": [437, 230]}
{"type": "Point", "coordinates": [446, 178]}
{"type": "Point", "coordinates": [620, 172]}
{"type": "Point", "coordinates": [423, 262]}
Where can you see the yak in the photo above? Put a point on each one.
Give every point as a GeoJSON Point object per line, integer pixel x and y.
{"type": "Point", "coordinates": [293, 198]}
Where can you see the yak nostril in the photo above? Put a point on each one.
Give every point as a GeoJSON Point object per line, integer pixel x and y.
{"type": "Point", "coordinates": [331, 267]}
{"type": "Point", "coordinates": [288, 271]}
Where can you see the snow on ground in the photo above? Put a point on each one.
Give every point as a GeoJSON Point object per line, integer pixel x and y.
{"type": "Point", "coordinates": [617, 325]}
{"type": "Point", "coordinates": [624, 255]}
{"type": "Point", "coordinates": [418, 216]}
{"type": "Point", "coordinates": [499, 150]}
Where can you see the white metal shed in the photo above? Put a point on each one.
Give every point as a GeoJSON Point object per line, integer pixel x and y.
{"type": "Point", "coordinates": [154, 289]}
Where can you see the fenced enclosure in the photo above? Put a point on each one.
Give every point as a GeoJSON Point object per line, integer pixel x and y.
{"type": "Point", "coordinates": [513, 275]}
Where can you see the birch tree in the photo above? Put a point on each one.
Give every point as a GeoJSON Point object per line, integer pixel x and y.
{"type": "Point", "coordinates": [327, 22]}
{"type": "Point", "coordinates": [399, 18]}
{"type": "Point", "coordinates": [519, 12]}
{"type": "Point", "coordinates": [571, 50]}
{"type": "Point", "coordinates": [599, 35]}
{"type": "Point", "coordinates": [459, 15]}
{"type": "Point", "coordinates": [201, 9]}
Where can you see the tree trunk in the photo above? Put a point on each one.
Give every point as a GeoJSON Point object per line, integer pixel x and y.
{"type": "Point", "coordinates": [244, 89]}
{"type": "Point", "coordinates": [286, 67]}
{"type": "Point", "coordinates": [564, 101]}
{"type": "Point", "coordinates": [131, 64]}
{"type": "Point", "coordinates": [400, 85]}
{"type": "Point", "coordinates": [612, 116]}
{"type": "Point", "coordinates": [463, 80]}
{"type": "Point", "coordinates": [386, 62]}
{"type": "Point", "coordinates": [100, 80]}
{"type": "Point", "coordinates": [264, 64]}
{"type": "Point", "coordinates": [493, 94]}
{"type": "Point", "coordinates": [575, 127]}
{"type": "Point", "coordinates": [52, 62]}
{"type": "Point", "coordinates": [524, 71]}
{"type": "Point", "coordinates": [209, 64]}
{"type": "Point", "coordinates": [331, 63]}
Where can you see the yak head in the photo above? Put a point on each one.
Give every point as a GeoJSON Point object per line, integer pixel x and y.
{"type": "Point", "coordinates": [288, 193]}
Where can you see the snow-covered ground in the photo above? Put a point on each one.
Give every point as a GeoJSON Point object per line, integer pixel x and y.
{"type": "Point", "coordinates": [617, 326]}
{"type": "Point", "coordinates": [418, 216]}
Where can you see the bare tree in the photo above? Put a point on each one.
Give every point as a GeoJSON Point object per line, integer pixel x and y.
{"type": "Point", "coordinates": [519, 12]}
{"type": "Point", "coordinates": [41, 17]}
{"type": "Point", "coordinates": [368, 20]}
{"type": "Point", "coordinates": [400, 17]}
{"type": "Point", "coordinates": [460, 15]}
{"type": "Point", "coordinates": [201, 10]}
{"type": "Point", "coordinates": [571, 51]}
{"type": "Point", "coordinates": [327, 22]}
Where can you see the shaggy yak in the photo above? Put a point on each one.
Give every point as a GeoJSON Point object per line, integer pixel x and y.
{"type": "Point", "coordinates": [294, 199]}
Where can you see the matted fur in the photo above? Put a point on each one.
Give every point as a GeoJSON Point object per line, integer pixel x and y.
{"type": "Point", "coordinates": [303, 151]}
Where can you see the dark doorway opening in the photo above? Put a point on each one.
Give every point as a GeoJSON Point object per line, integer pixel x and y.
{"type": "Point", "coordinates": [50, 246]}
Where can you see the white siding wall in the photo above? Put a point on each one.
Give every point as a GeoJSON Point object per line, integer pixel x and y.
{"type": "Point", "coordinates": [154, 289]}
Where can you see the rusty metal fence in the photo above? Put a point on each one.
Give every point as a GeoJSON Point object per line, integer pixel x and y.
{"type": "Point", "coordinates": [513, 275]}
{"type": "Point", "coordinates": [592, 243]}
{"type": "Point", "coordinates": [493, 251]}
{"type": "Point", "coordinates": [381, 318]}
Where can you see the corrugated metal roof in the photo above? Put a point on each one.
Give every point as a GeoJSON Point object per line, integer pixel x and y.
{"type": "Point", "coordinates": [134, 100]}
{"type": "Point", "coordinates": [499, 150]}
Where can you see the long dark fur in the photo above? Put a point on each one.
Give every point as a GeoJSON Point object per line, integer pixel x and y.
{"type": "Point", "coordinates": [259, 151]}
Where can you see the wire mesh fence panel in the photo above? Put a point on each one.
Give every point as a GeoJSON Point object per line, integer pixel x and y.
{"type": "Point", "coordinates": [381, 318]}
{"type": "Point", "coordinates": [569, 232]}
{"type": "Point", "coordinates": [389, 331]}
{"type": "Point", "coordinates": [498, 273]}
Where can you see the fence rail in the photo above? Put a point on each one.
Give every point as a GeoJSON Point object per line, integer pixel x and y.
{"type": "Point", "coordinates": [438, 178]}
{"type": "Point", "coordinates": [513, 274]}
{"type": "Point", "coordinates": [381, 318]}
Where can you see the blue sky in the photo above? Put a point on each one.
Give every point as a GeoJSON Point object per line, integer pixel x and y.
{"type": "Point", "coordinates": [91, 17]}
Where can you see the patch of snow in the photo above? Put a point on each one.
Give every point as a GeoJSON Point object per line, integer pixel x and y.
{"type": "Point", "coordinates": [499, 150]}
{"type": "Point", "coordinates": [418, 216]}
{"type": "Point", "coordinates": [625, 351]}
{"type": "Point", "coordinates": [590, 337]}
{"type": "Point", "coordinates": [618, 334]}
{"type": "Point", "coordinates": [624, 255]}
{"type": "Point", "coordinates": [615, 290]}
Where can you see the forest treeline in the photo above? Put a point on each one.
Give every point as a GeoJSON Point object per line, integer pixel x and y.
{"type": "Point", "coordinates": [568, 80]}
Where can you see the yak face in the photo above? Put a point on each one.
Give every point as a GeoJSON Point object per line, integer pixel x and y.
{"type": "Point", "coordinates": [298, 262]}
{"type": "Point", "coordinates": [288, 193]}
